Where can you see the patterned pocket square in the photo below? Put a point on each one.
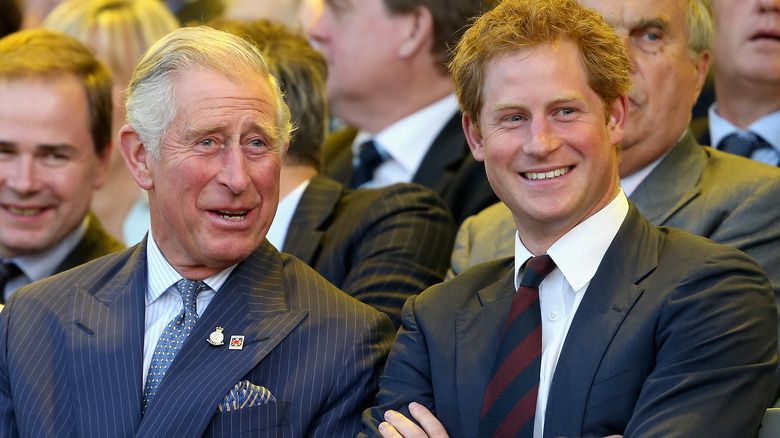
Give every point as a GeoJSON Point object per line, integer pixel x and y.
{"type": "Point", "coordinates": [245, 395]}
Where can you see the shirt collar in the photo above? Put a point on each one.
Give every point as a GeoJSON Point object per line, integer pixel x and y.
{"type": "Point", "coordinates": [579, 252]}
{"type": "Point", "coordinates": [408, 140]}
{"type": "Point", "coordinates": [41, 265]}
{"type": "Point", "coordinates": [161, 274]}
{"type": "Point", "coordinates": [277, 234]}
{"type": "Point", "coordinates": [767, 127]}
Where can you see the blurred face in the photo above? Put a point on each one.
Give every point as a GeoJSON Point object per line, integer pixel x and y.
{"type": "Point", "coordinates": [359, 39]}
{"type": "Point", "coordinates": [549, 152]}
{"type": "Point", "coordinates": [665, 81]}
{"type": "Point", "coordinates": [48, 163]}
{"type": "Point", "coordinates": [747, 39]}
{"type": "Point", "coordinates": [213, 193]}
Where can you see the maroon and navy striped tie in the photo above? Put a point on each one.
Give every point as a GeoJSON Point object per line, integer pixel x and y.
{"type": "Point", "coordinates": [509, 404]}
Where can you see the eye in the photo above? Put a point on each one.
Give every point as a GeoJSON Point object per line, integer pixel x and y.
{"type": "Point", "coordinates": [207, 142]}
{"type": "Point", "coordinates": [567, 111]}
{"type": "Point", "coordinates": [257, 143]}
{"type": "Point", "coordinates": [651, 36]}
{"type": "Point", "coordinates": [515, 118]}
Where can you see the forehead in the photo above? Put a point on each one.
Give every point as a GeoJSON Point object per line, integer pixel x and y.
{"type": "Point", "coordinates": [632, 14]}
{"type": "Point", "coordinates": [551, 70]}
{"type": "Point", "coordinates": [212, 94]}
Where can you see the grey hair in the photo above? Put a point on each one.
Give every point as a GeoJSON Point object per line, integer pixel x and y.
{"type": "Point", "coordinates": [699, 23]}
{"type": "Point", "coordinates": [151, 94]}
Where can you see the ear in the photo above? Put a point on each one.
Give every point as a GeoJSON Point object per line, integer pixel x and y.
{"type": "Point", "coordinates": [702, 66]}
{"type": "Point", "coordinates": [136, 157]}
{"type": "Point", "coordinates": [416, 32]}
{"type": "Point", "coordinates": [104, 164]}
{"type": "Point", "coordinates": [618, 117]}
{"type": "Point", "coordinates": [474, 138]}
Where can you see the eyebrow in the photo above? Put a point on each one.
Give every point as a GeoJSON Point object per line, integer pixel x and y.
{"type": "Point", "coordinates": [659, 23]}
{"type": "Point", "coordinates": [573, 97]}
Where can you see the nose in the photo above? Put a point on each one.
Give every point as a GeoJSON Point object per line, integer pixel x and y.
{"type": "Point", "coordinates": [542, 142]}
{"type": "Point", "coordinates": [234, 174]}
{"type": "Point", "coordinates": [21, 175]}
{"type": "Point", "coordinates": [317, 28]}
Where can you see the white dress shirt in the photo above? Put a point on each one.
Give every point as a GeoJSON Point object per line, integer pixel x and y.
{"type": "Point", "coordinates": [577, 256]}
{"type": "Point", "coordinates": [405, 142]}
{"type": "Point", "coordinates": [38, 266]}
{"type": "Point", "coordinates": [163, 300]}
{"type": "Point", "coordinates": [277, 234]}
{"type": "Point", "coordinates": [767, 127]}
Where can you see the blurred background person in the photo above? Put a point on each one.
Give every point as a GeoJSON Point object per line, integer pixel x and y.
{"type": "Point", "coordinates": [55, 122]}
{"type": "Point", "coordinates": [119, 31]}
{"type": "Point", "coordinates": [296, 14]}
{"type": "Point", "coordinates": [379, 245]}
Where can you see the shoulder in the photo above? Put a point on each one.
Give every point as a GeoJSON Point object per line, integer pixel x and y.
{"type": "Point", "coordinates": [394, 198]}
{"type": "Point", "coordinates": [736, 172]}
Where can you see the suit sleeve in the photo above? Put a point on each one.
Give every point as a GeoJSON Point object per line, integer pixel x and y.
{"type": "Point", "coordinates": [716, 352]}
{"type": "Point", "coordinates": [405, 249]}
{"type": "Point", "coordinates": [7, 415]}
{"type": "Point", "coordinates": [356, 386]}
{"type": "Point", "coordinates": [406, 378]}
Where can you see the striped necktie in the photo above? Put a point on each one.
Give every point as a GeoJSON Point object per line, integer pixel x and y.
{"type": "Point", "coordinates": [172, 338]}
{"type": "Point", "coordinates": [509, 405]}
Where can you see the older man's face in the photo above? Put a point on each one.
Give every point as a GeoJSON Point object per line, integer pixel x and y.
{"type": "Point", "coordinates": [215, 188]}
{"type": "Point", "coordinates": [747, 40]}
{"type": "Point", "coordinates": [665, 80]}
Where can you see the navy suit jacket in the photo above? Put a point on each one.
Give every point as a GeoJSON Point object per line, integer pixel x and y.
{"type": "Point", "coordinates": [675, 337]}
{"type": "Point", "coordinates": [448, 168]}
{"type": "Point", "coordinates": [71, 348]}
{"type": "Point", "coordinates": [379, 245]}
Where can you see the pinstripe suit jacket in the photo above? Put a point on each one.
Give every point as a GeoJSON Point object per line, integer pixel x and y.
{"type": "Point", "coordinates": [448, 168]}
{"type": "Point", "coordinates": [379, 245]}
{"type": "Point", "coordinates": [72, 346]}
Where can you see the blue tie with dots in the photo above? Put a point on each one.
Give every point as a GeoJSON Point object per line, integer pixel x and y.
{"type": "Point", "coordinates": [172, 338]}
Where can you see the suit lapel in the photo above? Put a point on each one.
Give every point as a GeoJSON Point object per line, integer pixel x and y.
{"type": "Point", "coordinates": [673, 183]}
{"type": "Point", "coordinates": [605, 305]}
{"type": "Point", "coordinates": [442, 161]}
{"type": "Point", "coordinates": [315, 210]}
{"type": "Point", "coordinates": [478, 334]}
{"type": "Point", "coordinates": [103, 324]}
{"type": "Point", "coordinates": [251, 303]}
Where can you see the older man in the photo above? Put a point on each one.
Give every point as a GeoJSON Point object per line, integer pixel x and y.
{"type": "Point", "coordinates": [203, 328]}
{"type": "Point", "coordinates": [601, 324]}
{"type": "Point", "coordinates": [672, 180]}
{"type": "Point", "coordinates": [55, 144]}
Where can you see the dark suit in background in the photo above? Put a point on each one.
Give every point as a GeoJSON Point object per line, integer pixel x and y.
{"type": "Point", "coordinates": [73, 345]}
{"type": "Point", "coordinates": [448, 168]}
{"type": "Point", "coordinates": [379, 245]}
{"type": "Point", "coordinates": [669, 325]}
{"type": "Point", "coordinates": [95, 243]}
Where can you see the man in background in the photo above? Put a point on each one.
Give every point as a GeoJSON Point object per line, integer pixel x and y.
{"type": "Point", "coordinates": [388, 80]}
{"type": "Point", "coordinates": [745, 119]}
{"type": "Point", "coordinates": [55, 141]}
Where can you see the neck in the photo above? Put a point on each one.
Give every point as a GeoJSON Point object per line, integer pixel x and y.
{"type": "Point", "coordinates": [413, 93]}
{"type": "Point", "coordinates": [112, 202]}
{"type": "Point", "coordinates": [743, 102]}
{"type": "Point", "coordinates": [293, 175]}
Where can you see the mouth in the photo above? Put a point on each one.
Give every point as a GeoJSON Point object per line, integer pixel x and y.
{"type": "Point", "coordinates": [547, 175]}
{"type": "Point", "coordinates": [232, 215]}
{"type": "Point", "coordinates": [766, 34]}
{"type": "Point", "coordinates": [24, 211]}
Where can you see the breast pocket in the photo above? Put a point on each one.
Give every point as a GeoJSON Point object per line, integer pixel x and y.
{"type": "Point", "coordinates": [269, 420]}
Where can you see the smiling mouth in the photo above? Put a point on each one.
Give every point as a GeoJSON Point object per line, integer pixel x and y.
{"type": "Point", "coordinates": [547, 175]}
{"type": "Point", "coordinates": [24, 211]}
{"type": "Point", "coordinates": [232, 215]}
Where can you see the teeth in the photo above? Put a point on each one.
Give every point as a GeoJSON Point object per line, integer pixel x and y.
{"type": "Point", "coordinates": [25, 211]}
{"type": "Point", "coordinates": [232, 216]}
{"type": "Point", "coordinates": [547, 175]}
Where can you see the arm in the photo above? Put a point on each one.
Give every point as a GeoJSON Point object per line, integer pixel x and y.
{"type": "Point", "coordinates": [404, 250]}
{"type": "Point", "coordinates": [357, 382]}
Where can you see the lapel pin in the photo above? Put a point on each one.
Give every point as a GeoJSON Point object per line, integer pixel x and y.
{"type": "Point", "coordinates": [216, 338]}
{"type": "Point", "coordinates": [236, 342]}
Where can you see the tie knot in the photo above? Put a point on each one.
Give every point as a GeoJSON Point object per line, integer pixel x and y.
{"type": "Point", "coordinates": [536, 269]}
{"type": "Point", "coordinates": [9, 270]}
{"type": "Point", "coordinates": [743, 144]}
{"type": "Point", "coordinates": [369, 159]}
{"type": "Point", "coordinates": [188, 289]}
